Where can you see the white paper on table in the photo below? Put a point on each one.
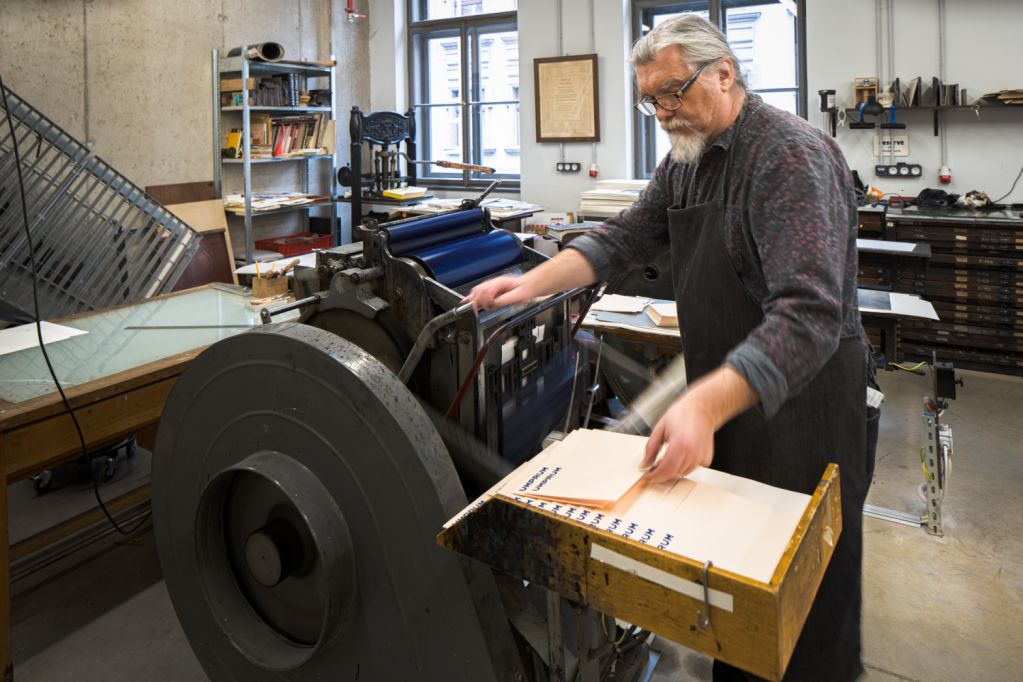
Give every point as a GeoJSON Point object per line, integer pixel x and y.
{"type": "Point", "coordinates": [912, 306]}
{"type": "Point", "coordinates": [616, 303]}
{"type": "Point", "coordinates": [646, 325]}
{"type": "Point", "coordinates": [24, 336]}
{"type": "Point", "coordinates": [306, 260]}
{"type": "Point", "coordinates": [882, 245]}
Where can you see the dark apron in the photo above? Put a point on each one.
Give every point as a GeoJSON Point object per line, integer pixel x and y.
{"type": "Point", "coordinates": [825, 422]}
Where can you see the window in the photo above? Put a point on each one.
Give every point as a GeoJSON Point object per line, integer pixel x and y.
{"type": "Point", "coordinates": [767, 36]}
{"type": "Point", "coordinates": [471, 47]}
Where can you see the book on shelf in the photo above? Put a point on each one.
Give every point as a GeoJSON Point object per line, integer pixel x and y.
{"type": "Point", "coordinates": [298, 135]}
{"type": "Point", "coordinates": [235, 84]}
{"type": "Point", "coordinates": [232, 148]}
{"type": "Point", "coordinates": [328, 136]}
{"type": "Point", "coordinates": [663, 314]}
{"type": "Point", "coordinates": [266, 91]}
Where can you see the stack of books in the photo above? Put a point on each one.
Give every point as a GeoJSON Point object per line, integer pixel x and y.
{"type": "Point", "coordinates": [609, 197]}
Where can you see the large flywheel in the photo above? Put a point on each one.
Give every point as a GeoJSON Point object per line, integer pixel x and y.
{"type": "Point", "coordinates": [297, 490]}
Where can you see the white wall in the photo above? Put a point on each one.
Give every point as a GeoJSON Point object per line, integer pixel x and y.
{"type": "Point", "coordinates": [983, 54]}
{"type": "Point", "coordinates": [538, 37]}
{"type": "Point", "coordinates": [133, 79]}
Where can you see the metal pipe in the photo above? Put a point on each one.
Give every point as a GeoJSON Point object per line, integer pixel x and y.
{"type": "Point", "coordinates": [891, 74]}
{"type": "Point", "coordinates": [877, 70]}
{"type": "Point", "coordinates": [941, 81]}
{"type": "Point", "coordinates": [426, 336]}
{"type": "Point", "coordinates": [266, 314]}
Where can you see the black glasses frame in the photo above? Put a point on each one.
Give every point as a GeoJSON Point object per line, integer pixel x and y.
{"type": "Point", "coordinates": [648, 105]}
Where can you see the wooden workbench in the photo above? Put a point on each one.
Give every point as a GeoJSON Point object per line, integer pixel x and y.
{"type": "Point", "coordinates": [37, 433]}
{"type": "Point", "coordinates": [756, 629]}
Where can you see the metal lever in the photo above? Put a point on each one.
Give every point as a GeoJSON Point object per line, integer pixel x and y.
{"type": "Point", "coordinates": [452, 164]}
{"type": "Point", "coordinates": [473, 203]}
{"type": "Point", "coordinates": [426, 337]}
{"type": "Point", "coordinates": [703, 618]}
{"type": "Point", "coordinates": [266, 314]}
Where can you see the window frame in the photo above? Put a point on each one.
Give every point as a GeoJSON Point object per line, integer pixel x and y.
{"type": "Point", "coordinates": [468, 29]}
{"type": "Point", "coordinates": [644, 133]}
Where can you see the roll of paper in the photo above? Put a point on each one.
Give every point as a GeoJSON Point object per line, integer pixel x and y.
{"type": "Point", "coordinates": [264, 52]}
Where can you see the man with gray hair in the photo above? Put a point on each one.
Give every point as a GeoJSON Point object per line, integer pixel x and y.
{"type": "Point", "coordinates": [757, 210]}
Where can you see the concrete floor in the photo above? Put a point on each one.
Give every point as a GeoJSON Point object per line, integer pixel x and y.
{"type": "Point", "coordinates": [946, 608]}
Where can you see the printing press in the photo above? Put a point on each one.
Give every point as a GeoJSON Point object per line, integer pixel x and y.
{"type": "Point", "coordinates": [302, 471]}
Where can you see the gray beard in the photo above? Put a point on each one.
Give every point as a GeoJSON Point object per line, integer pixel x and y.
{"type": "Point", "coordinates": [687, 148]}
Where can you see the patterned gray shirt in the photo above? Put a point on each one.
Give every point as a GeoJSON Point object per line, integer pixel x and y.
{"type": "Point", "coordinates": [790, 234]}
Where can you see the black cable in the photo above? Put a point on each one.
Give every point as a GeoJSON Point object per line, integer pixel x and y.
{"type": "Point", "coordinates": [39, 326]}
{"type": "Point", "coordinates": [1010, 189]}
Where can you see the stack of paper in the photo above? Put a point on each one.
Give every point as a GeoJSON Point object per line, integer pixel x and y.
{"type": "Point", "coordinates": [617, 303]}
{"type": "Point", "coordinates": [609, 197]}
{"type": "Point", "coordinates": [594, 477]}
{"type": "Point", "coordinates": [626, 312]}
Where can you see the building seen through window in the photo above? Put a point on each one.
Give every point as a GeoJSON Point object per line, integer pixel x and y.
{"type": "Point", "coordinates": [466, 86]}
{"type": "Point", "coordinates": [764, 34]}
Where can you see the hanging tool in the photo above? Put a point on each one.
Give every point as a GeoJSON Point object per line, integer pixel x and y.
{"type": "Point", "coordinates": [353, 15]}
{"type": "Point", "coordinates": [453, 164]}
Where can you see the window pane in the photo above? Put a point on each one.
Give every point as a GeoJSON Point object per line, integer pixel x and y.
{"type": "Point", "coordinates": [440, 137]}
{"type": "Point", "coordinates": [499, 138]}
{"type": "Point", "coordinates": [443, 70]}
{"type": "Point", "coordinates": [446, 9]}
{"type": "Point", "coordinates": [763, 37]}
{"type": "Point", "coordinates": [652, 18]}
{"type": "Point", "coordinates": [782, 100]}
{"type": "Point", "coordinates": [499, 67]}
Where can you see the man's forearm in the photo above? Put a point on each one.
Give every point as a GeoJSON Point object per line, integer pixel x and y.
{"type": "Point", "coordinates": [567, 270]}
{"type": "Point", "coordinates": [722, 395]}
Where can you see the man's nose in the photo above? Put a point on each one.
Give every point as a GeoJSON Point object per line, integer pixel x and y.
{"type": "Point", "coordinates": [663, 114]}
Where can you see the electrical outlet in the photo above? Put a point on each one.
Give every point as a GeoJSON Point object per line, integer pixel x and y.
{"type": "Point", "coordinates": [568, 167]}
{"type": "Point", "coordinates": [899, 170]}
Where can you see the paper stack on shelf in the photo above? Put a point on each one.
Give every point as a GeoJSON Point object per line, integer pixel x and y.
{"type": "Point", "coordinates": [269, 201]}
{"type": "Point", "coordinates": [610, 197]}
{"type": "Point", "coordinates": [594, 477]}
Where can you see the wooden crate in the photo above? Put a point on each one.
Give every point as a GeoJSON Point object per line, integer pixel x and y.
{"type": "Point", "coordinates": [753, 625]}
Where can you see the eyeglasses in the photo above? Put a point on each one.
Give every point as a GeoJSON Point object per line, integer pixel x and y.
{"type": "Point", "coordinates": [648, 105]}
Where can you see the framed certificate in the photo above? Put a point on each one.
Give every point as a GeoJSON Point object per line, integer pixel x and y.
{"type": "Point", "coordinates": [566, 99]}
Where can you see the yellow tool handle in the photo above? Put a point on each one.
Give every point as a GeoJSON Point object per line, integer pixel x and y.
{"type": "Point", "coordinates": [465, 166]}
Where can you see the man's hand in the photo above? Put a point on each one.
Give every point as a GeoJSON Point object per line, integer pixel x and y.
{"type": "Point", "coordinates": [499, 292]}
{"type": "Point", "coordinates": [687, 428]}
{"type": "Point", "coordinates": [568, 270]}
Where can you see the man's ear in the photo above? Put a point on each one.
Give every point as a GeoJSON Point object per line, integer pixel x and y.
{"type": "Point", "coordinates": [726, 75]}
